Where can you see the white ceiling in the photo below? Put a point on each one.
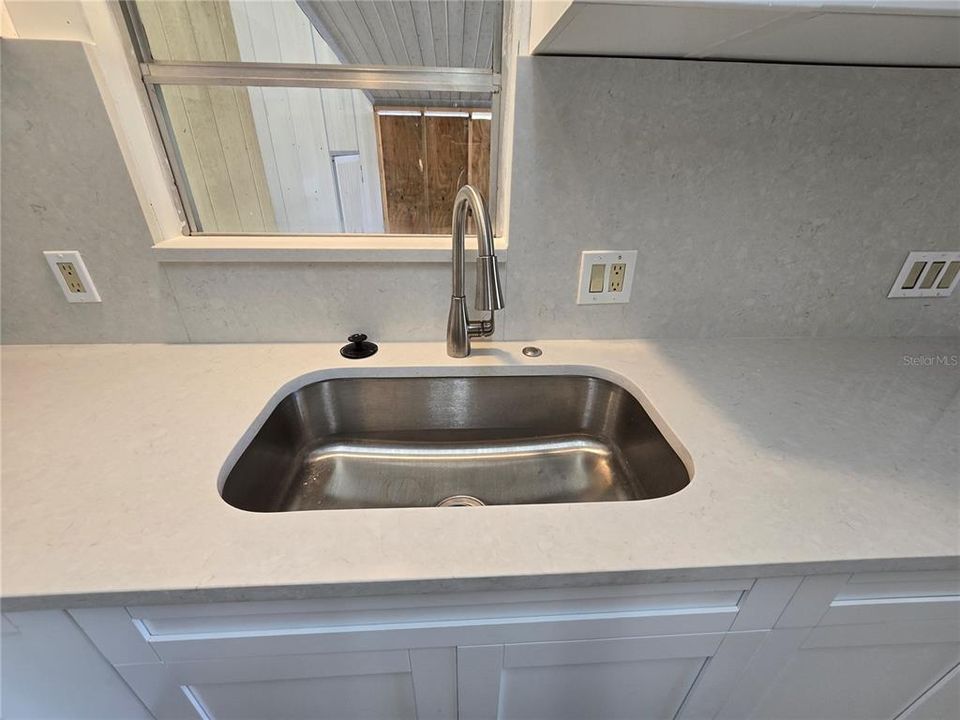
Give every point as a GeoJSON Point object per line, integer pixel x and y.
{"type": "Point", "coordinates": [450, 33]}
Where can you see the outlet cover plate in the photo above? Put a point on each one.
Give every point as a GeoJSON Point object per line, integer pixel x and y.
{"type": "Point", "coordinates": [589, 258]}
{"type": "Point", "coordinates": [72, 256]}
{"type": "Point", "coordinates": [943, 260]}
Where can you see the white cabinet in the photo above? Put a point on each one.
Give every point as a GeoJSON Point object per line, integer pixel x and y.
{"type": "Point", "coordinates": [682, 676]}
{"type": "Point", "coordinates": [391, 684]}
{"type": "Point", "coordinates": [942, 700]}
{"type": "Point", "coordinates": [882, 646]}
{"type": "Point", "coordinates": [859, 672]}
{"type": "Point", "coordinates": [50, 669]}
{"type": "Point", "coordinates": [883, 32]}
{"type": "Point", "coordinates": [413, 657]}
{"type": "Point", "coordinates": [864, 646]}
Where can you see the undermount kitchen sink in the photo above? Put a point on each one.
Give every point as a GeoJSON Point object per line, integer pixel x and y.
{"type": "Point", "coordinates": [485, 440]}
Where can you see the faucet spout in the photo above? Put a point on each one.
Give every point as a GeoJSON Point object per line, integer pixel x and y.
{"type": "Point", "coordinates": [489, 293]}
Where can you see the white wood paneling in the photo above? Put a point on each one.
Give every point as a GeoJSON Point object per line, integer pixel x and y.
{"type": "Point", "coordinates": [444, 33]}
{"type": "Point", "coordinates": [350, 189]}
{"type": "Point", "coordinates": [371, 199]}
{"type": "Point", "coordinates": [301, 129]}
{"type": "Point", "coordinates": [433, 33]}
{"type": "Point", "coordinates": [213, 126]}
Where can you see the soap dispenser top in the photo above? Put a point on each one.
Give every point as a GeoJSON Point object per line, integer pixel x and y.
{"type": "Point", "coordinates": [358, 348]}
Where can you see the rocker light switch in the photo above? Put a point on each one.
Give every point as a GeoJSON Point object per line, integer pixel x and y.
{"type": "Point", "coordinates": [597, 273]}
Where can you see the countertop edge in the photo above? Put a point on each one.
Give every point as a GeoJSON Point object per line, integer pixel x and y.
{"type": "Point", "coordinates": [318, 591]}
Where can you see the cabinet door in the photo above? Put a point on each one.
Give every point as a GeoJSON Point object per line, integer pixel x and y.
{"type": "Point", "coordinates": [684, 676]}
{"type": "Point", "coordinates": [854, 672]}
{"type": "Point", "coordinates": [51, 670]}
{"type": "Point", "coordinates": [393, 685]}
{"type": "Point", "coordinates": [940, 702]}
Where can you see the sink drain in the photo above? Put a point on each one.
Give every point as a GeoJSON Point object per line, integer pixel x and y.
{"type": "Point", "coordinates": [461, 501]}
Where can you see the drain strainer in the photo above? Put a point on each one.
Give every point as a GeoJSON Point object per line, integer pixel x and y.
{"type": "Point", "coordinates": [461, 501]}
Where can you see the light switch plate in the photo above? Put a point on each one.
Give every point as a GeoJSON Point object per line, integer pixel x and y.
{"type": "Point", "coordinates": [607, 259]}
{"type": "Point", "coordinates": [72, 276]}
{"type": "Point", "coordinates": [927, 274]}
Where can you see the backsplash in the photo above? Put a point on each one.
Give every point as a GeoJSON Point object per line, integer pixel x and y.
{"type": "Point", "coordinates": [84, 200]}
{"type": "Point", "coordinates": [764, 200]}
{"type": "Point", "coordinates": [65, 186]}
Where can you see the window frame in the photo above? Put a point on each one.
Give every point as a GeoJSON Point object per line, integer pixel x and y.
{"type": "Point", "coordinates": [192, 246]}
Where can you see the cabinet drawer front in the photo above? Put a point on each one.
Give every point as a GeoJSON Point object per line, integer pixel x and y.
{"type": "Point", "coordinates": [578, 652]}
{"type": "Point", "coordinates": [900, 596]}
{"type": "Point", "coordinates": [195, 632]}
{"type": "Point", "coordinates": [849, 612]}
{"type": "Point", "coordinates": [466, 607]}
{"type": "Point", "coordinates": [386, 636]}
{"type": "Point", "coordinates": [874, 598]}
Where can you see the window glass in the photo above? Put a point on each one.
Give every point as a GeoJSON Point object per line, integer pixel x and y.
{"type": "Point", "coordinates": [451, 33]}
{"type": "Point", "coordinates": [293, 160]}
{"type": "Point", "coordinates": [286, 159]}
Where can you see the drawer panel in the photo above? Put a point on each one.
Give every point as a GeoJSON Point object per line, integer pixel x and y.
{"type": "Point", "coordinates": [303, 617]}
{"type": "Point", "coordinates": [196, 632]}
{"type": "Point", "coordinates": [831, 600]}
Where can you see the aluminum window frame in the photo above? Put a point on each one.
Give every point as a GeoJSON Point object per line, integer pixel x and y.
{"type": "Point", "coordinates": [155, 74]}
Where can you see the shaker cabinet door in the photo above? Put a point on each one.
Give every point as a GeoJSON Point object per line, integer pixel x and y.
{"type": "Point", "coordinates": [677, 676]}
{"type": "Point", "coordinates": [392, 685]}
{"type": "Point", "coordinates": [854, 672]}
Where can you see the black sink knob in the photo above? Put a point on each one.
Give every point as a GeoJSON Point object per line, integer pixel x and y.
{"type": "Point", "coordinates": [358, 348]}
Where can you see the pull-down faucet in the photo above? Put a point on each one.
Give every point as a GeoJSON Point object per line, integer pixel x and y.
{"type": "Point", "coordinates": [489, 296]}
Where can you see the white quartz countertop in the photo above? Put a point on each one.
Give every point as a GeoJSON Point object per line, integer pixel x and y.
{"type": "Point", "coordinates": [808, 455]}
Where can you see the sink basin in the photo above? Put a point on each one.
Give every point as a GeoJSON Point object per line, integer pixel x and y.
{"type": "Point", "coordinates": [486, 440]}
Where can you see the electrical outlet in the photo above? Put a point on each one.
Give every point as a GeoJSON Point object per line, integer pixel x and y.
{"type": "Point", "coordinates": [72, 276]}
{"type": "Point", "coordinates": [606, 276]}
{"type": "Point", "coordinates": [617, 271]}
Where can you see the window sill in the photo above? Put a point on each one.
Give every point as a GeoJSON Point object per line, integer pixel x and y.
{"type": "Point", "coordinates": [315, 248]}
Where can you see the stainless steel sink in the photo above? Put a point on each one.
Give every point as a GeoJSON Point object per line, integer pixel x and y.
{"type": "Point", "coordinates": [485, 440]}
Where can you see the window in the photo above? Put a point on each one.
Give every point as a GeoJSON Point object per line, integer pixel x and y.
{"type": "Point", "coordinates": [322, 116]}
